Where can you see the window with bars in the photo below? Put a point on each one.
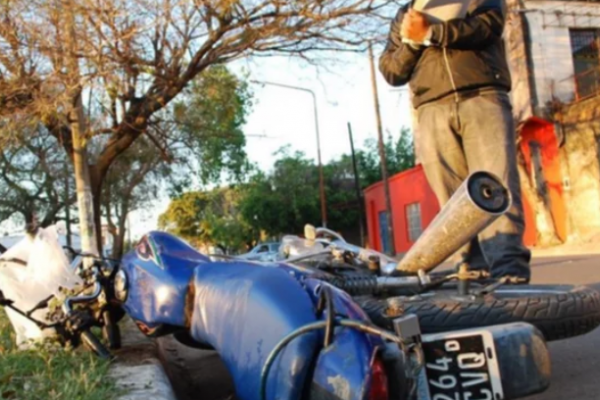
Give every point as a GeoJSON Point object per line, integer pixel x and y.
{"type": "Point", "coordinates": [585, 48]}
{"type": "Point", "coordinates": [413, 220]}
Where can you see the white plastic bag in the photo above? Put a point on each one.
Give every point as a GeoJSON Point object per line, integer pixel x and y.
{"type": "Point", "coordinates": [46, 271]}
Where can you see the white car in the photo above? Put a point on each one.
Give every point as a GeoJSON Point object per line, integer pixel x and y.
{"type": "Point", "coordinates": [262, 252]}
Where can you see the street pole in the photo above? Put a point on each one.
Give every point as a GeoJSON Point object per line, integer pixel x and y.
{"type": "Point", "coordinates": [316, 113]}
{"type": "Point", "coordinates": [357, 187]}
{"type": "Point", "coordinates": [384, 172]}
{"type": "Point", "coordinates": [129, 230]}
{"type": "Point", "coordinates": [67, 206]}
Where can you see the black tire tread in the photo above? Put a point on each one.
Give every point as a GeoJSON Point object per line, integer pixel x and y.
{"type": "Point", "coordinates": [558, 316]}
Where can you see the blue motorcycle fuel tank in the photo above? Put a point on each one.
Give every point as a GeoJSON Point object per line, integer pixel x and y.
{"type": "Point", "coordinates": [243, 310]}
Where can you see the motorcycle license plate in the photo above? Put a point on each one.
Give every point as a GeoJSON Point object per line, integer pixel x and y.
{"type": "Point", "coordinates": [462, 366]}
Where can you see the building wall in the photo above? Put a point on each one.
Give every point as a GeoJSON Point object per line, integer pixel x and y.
{"type": "Point", "coordinates": [552, 61]}
{"type": "Point", "coordinates": [516, 38]}
{"type": "Point", "coordinates": [564, 189]}
{"type": "Point", "coordinates": [580, 151]}
{"type": "Point", "coordinates": [543, 171]}
{"type": "Point", "coordinates": [406, 188]}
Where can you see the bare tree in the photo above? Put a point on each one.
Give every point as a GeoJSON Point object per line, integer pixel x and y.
{"type": "Point", "coordinates": [132, 182]}
{"type": "Point", "coordinates": [105, 68]}
{"type": "Point", "coordinates": [35, 179]}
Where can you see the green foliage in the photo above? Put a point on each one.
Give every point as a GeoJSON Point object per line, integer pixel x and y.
{"type": "Point", "coordinates": [400, 156]}
{"type": "Point", "coordinates": [33, 176]}
{"type": "Point", "coordinates": [199, 139]}
{"type": "Point", "coordinates": [283, 200]}
{"type": "Point", "coordinates": [342, 204]}
{"type": "Point", "coordinates": [50, 372]}
{"type": "Point", "coordinates": [207, 218]}
{"type": "Point", "coordinates": [286, 199]}
{"type": "Point", "coordinates": [209, 117]}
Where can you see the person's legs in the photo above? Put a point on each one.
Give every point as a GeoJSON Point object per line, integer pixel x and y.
{"type": "Point", "coordinates": [489, 142]}
{"type": "Point", "coordinates": [440, 151]}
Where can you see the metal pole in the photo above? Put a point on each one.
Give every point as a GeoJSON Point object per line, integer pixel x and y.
{"type": "Point", "coordinates": [321, 177]}
{"type": "Point", "coordinates": [384, 173]}
{"type": "Point", "coordinates": [129, 230]}
{"type": "Point", "coordinates": [357, 187]}
{"type": "Point", "coordinates": [67, 206]}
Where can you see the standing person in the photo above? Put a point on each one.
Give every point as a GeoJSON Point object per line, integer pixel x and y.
{"type": "Point", "coordinates": [460, 84]}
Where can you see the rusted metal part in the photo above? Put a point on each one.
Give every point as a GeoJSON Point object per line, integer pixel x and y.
{"type": "Point", "coordinates": [463, 279]}
{"type": "Point", "coordinates": [523, 359]}
{"type": "Point", "coordinates": [374, 265]}
{"type": "Point", "coordinates": [189, 303]}
{"type": "Point", "coordinates": [479, 201]}
{"type": "Point", "coordinates": [395, 308]}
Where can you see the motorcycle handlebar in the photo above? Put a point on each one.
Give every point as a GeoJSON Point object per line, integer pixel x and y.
{"type": "Point", "coordinates": [69, 301]}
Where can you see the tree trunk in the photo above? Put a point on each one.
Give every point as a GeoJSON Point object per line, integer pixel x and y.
{"type": "Point", "coordinates": [97, 180]}
{"type": "Point", "coordinates": [78, 126]}
{"type": "Point", "coordinates": [120, 237]}
{"type": "Point", "coordinates": [85, 199]}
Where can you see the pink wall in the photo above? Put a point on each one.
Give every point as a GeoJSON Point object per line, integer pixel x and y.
{"type": "Point", "coordinates": [411, 187]}
{"type": "Point", "coordinates": [405, 188]}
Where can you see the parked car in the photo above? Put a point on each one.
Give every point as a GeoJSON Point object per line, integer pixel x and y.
{"type": "Point", "coordinates": [262, 252]}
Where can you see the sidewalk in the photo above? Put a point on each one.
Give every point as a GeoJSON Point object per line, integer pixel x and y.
{"type": "Point", "coordinates": [137, 370]}
{"type": "Point", "coordinates": [587, 246]}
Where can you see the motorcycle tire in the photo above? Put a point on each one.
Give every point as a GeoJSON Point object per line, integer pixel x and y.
{"type": "Point", "coordinates": [92, 343]}
{"type": "Point", "coordinates": [111, 332]}
{"type": "Point", "coordinates": [558, 311]}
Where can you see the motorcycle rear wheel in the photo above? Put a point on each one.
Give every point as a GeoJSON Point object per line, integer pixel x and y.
{"type": "Point", "coordinates": [558, 311]}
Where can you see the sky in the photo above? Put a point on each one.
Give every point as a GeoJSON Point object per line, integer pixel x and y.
{"type": "Point", "coordinates": [285, 116]}
{"type": "Point", "coordinates": [344, 94]}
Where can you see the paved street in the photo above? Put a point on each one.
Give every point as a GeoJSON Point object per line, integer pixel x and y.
{"type": "Point", "coordinates": [576, 362]}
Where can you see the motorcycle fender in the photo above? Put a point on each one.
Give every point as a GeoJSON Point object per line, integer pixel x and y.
{"type": "Point", "coordinates": [343, 369]}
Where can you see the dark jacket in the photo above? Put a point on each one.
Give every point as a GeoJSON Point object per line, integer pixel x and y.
{"type": "Point", "coordinates": [464, 54]}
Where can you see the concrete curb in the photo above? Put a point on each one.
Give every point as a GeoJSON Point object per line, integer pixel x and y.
{"type": "Point", "coordinates": [568, 249]}
{"type": "Point", "coordinates": [558, 252]}
{"type": "Point", "coordinates": [137, 370]}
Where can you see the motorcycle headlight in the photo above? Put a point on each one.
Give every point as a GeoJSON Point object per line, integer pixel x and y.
{"type": "Point", "coordinates": [121, 286]}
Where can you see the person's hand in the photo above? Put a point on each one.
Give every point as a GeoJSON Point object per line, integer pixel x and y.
{"type": "Point", "coordinates": [414, 26]}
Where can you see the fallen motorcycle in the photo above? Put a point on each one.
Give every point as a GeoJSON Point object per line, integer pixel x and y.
{"type": "Point", "coordinates": [284, 335]}
{"type": "Point", "coordinates": [295, 329]}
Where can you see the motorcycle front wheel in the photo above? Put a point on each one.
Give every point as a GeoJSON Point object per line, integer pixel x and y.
{"type": "Point", "coordinates": [92, 343]}
{"type": "Point", "coordinates": [558, 311]}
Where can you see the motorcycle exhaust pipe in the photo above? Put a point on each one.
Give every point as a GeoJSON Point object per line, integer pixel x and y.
{"type": "Point", "coordinates": [478, 202]}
